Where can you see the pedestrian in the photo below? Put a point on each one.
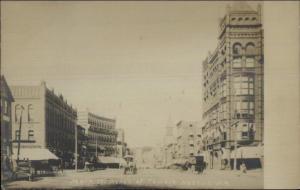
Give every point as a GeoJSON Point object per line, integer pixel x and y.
{"type": "Point", "coordinates": [62, 165]}
{"type": "Point", "coordinates": [243, 167]}
{"type": "Point", "coordinates": [86, 166]}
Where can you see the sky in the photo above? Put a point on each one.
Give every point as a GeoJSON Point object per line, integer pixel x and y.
{"type": "Point", "coordinates": [138, 62]}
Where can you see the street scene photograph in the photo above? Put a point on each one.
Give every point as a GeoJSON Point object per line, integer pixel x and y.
{"type": "Point", "coordinates": [132, 95]}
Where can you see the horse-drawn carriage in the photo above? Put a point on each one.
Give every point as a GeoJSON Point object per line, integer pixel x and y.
{"type": "Point", "coordinates": [200, 164]}
{"type": "Point", "coordinates": [130, 166]}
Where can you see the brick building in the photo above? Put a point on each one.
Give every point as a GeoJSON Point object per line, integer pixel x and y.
{"type": "Point", "coordinates": [48, 122]}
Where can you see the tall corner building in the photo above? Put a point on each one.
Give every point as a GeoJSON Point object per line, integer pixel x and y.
{"type": "Point", "coordinates": [233, 85]}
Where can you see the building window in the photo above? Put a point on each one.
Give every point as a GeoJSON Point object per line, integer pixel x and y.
{"type": "Point", "coordinates": [17, 134]}
{"type": "Point", "coordinates": [250, 49]}
{"type": "Point", "coordinates": [5, 107]}
{"type": "Point", "coordinates": [30, 135]}
{"type": "Point", "coordinates": [30, 110]}
{"type": "Point", "coordinates": [244, 85]}
{"type": "Point", "coordinates": [237, 62]}
{"type": "Point", "coordinates": [245, 109]}
{"type": "Point", "coordinates": [250, 62]}
{"type": "Point", "coordinates": [17, 112]}
{"type": "Point", "coordinates": [244, 134]}
{"type": "Point", "coordinates": [237, 49]}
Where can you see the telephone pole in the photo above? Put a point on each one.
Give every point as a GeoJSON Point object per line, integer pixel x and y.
{"type": "Point", "coordinates": [19, 139]}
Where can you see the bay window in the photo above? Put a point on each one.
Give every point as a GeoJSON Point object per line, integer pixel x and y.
{"type": "Point", "coordinates": [243, 85]}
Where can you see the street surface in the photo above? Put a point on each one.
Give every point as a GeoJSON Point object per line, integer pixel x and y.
{"type": "Point", "coordinates": [146, 178]}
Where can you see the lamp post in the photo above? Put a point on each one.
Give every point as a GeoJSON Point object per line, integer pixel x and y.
{"type": "Point", "coordinates": [19, 138]}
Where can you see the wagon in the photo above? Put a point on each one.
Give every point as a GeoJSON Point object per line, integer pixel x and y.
{"type": "Point", "coordinates": [130, 166]}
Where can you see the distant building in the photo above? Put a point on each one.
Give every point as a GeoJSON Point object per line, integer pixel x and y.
{"type": "Point", "coordinates": [101, 133]}
{"type": "Point", "coordinates": [188, 140]}
{"type": "Point", "coordinates": [121, 147]}
{"type": "Point", "coordinates": [169, 146]}
{"type": "Point", "coordinates": [6, 126]}
{"type": "Point", "coordinates": [144, 157]}
{"type": "Point", "coordinates": [48, 121]}
{"type": "Point", "coordinates": [233, 86]}
{"type": "Point", "coordinates": [82, 141]}
{"type": "Point", "coordinates": [158, 156]}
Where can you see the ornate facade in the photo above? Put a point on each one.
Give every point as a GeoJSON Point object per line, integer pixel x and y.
{"type": "Point", "coordinates": [101, 133]}
{"type": "Point", "coordinates": [233, 86]}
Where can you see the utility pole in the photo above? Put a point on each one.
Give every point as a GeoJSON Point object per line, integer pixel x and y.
{"type": "Point", "coordinates": [19, 139]}
{"type": "Point", "coordinates": [76, 151]}
{"type": "Point", "coordinates": [235, 124]}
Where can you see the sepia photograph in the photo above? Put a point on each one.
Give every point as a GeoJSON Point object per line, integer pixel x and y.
{"type": "Point", "coordinates": [136, 95]}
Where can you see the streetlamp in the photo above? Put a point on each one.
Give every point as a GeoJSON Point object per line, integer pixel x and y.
{"type": "Point", "coordinates": [19, 139]}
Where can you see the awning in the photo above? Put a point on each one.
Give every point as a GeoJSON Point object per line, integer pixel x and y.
{"type": "Point", "coordinates": [34, 154]}
{"type": "Point", "coordinates": [248, 152]}
{"type": "Point", "coordinates": [111, 160]}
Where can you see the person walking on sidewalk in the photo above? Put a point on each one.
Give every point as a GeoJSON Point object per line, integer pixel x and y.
{"type": "Point", "coordinates": [243, 167]}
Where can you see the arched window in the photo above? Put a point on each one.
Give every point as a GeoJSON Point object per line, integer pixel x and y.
{"type": "Point", "coordinates": [18, 109]}
{"type": "Point", "coordinates": [250, 49]}
{"type": "Point", "coordinates": [237, 48]}
{"type": "Point", "coordinates": [30, 112]}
